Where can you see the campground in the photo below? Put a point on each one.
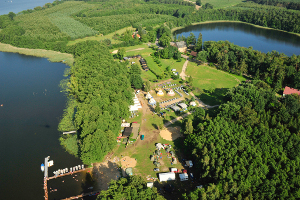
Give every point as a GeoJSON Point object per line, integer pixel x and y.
{"type": "Point", "coordinates": [210, 86]}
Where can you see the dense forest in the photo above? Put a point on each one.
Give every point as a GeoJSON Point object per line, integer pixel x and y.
{"type": "Point", "coordinates": [250, 150]}
{"type": "Point", "coordinates": [99, 95]}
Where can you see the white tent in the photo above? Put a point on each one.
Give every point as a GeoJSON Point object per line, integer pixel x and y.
{"type": "Point", "coordinates": [152, 101]}
{"type": "Point", "coordinates": [150, 184]}
{"type": "Point", "coordinates": [169, 176]}
{"type": "Point", "coordinates": [148, 96]}
{"type": "Point", "coordinates": [183, 177]}
{"type": "Point", "coordinates": [193, 103]}
{"type": "Point", "coordinates": [159, 146]}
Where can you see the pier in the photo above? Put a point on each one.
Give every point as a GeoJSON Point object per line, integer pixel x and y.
{"type": "Point", "coordinates": [69, 173]}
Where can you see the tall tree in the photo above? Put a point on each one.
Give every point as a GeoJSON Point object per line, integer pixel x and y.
{"type": "Point", "coordinates": [198, 46]}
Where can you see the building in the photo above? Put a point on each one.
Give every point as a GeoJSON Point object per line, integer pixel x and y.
{"type": "Point", "coordinates": [127, 132]}
{"type": "Point", "coordinates": [288, 90]}
{"type": "Point", "coordinates": [182, 105]}
{"type": "Point", "coordinates": [181, 46]}
{"type": "Point", "coordinates": [175, 108]}
{"type": "Point", "coordinates": [135, 130]}
{"type": "Point", "coordinates": [193, 53]}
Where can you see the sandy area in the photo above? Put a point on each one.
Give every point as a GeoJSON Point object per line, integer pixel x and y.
{"type": "Point", "coordinates": [115, 51]}
{"type": "Point", "coordinates": [135, 49]}
{"type": "Point", "coordinates": [170, 133]}
{"type": "Point", "coordinates": [127, 162]}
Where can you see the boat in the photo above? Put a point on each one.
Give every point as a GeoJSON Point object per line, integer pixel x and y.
{"type": "Point", "coordinates": [42, 167]}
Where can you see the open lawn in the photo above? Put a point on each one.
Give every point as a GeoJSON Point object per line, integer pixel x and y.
{"type": "Point", "coordinates": [213, 82]}
{"type": "Point", "coordinates": [222, 3]}
{"type": "Point", "coordinates": [102, 37]}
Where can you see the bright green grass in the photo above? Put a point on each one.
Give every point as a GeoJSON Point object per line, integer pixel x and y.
{"type": "Point", "coordinates": [153, 66]}
{"type": "Point", "coordinates": [222, 3]}
{"type": "Point", "coordinates": [174, 64]}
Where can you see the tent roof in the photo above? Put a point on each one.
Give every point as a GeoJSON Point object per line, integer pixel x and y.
{"type": "Point", "coordinates": [127, 131]}
{"type": "Point", "coordinates": [182, 105]}
{"type": "Point", "coordinates": [169, 176]}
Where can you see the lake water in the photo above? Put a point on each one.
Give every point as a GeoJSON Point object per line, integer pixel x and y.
{"type": "Point", "coordinates": [245, 35]}
{"type": "Point", "coordinates": [32, 105]}
{"type": "Point", "coordinates": [16, 6]}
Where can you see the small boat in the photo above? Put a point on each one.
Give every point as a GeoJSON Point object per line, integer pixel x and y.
{"type": "Point", "coordinates": [42, 167]}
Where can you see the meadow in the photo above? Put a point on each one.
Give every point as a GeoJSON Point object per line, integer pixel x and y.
{"type": "Point", "coordinates": [222, 3]}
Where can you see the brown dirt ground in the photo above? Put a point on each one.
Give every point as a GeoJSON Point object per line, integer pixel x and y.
{"type": "Point", "coordinates": [171, 133]}
{"type": "Point", "coordinates": [127, 162]}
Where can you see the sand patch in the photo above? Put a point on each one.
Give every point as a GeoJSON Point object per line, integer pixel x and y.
{"type": "Point", "coordinates": [115, 51]}
{"type": "Point", "coordinates": [171, 133]}
{"type": "Point", "coordinates": [139, 49]}
{"type": "Point", "coordinates": [127, 162]}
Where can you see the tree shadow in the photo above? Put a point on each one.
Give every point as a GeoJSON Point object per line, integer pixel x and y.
{"type": "Point", "coordinates": [216, 97]}
{"type": "Point", "coordinates": [155, 126]}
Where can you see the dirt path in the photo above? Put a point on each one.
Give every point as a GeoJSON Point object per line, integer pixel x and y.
{"type": "Point", "coordinates": [182, 74]}
{"type": "Point", "coordinates": [197, 7]}
{"type": "Point", "coordinates": [176, 119]}
{"type": "Point", "coordinates": [139, 49]}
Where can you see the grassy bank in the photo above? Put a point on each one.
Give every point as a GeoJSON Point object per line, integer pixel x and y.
{"type": "Point", "coordinates": [222, 21]}
{"type": "Point", "coordinates": [52, 56]}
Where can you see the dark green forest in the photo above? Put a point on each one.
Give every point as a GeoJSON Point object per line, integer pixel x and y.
{"type": "Point", "coordinates": [250, 150]}
{"type": "Point", "coordinates": [99, 95]}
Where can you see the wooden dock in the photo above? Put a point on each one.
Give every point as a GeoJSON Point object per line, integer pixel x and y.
{"type": "Point", "coordinates": [69, 173]}
{"type": "Point", "coordinates": [82, 195]}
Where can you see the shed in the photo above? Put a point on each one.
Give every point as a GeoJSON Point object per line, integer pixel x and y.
{"type": "Point", "coordinates": [183, 105]}
{"type": "Point", "coordinates": [127, 131]}
{"type": "Point", "coordinates": [169, 176]}
{"type": "Point", "coordinates": [125, 125]}
{"type": "Point", "coordinates": [183, 177]}
{"type": "Point", "coordinates": [150, 185]}
{"type": "Point", "coordinates": [189, 163]}
{"type": "Point", "coordinates": [175, 108]}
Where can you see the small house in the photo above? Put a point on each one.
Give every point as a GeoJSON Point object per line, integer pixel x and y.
{"type": "Point", "coordinates": [193, 53]}
{"type": "Point", "coordinates": [127, 131]}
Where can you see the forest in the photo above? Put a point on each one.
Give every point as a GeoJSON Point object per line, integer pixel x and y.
{"type": "Point", "coordinates": [250, 149]}
{"type": "Point", "coordinates": [99, 93]}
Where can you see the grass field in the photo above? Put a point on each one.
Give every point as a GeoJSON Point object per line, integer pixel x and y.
{"type": "Point", "coordinates": [100, 37]}
{"type": "Point", "coordinates": [222, 3]}
{"type": "Point", "coordinates": [213, 82]}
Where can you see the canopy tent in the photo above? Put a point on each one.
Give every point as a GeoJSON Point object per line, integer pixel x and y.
{"type": "Point", "coordinates": [160, 93]}
{"type": "Point", "coordinates": [169, 176]}
{"type": "Point", "coordinates": [152, 101]}
{"type": "Point", "coordinates": [171, 93]}
{"type": "Point", "coordinates": [183, 177]}
{"type": "Point", "coordinates": [159, 146]}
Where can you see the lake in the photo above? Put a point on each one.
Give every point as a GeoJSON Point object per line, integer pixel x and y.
{"type": "Point", "coordinates": [246, 35]}
{"type": "Point", "coordinates": [16, 6]}
{"type": "Point", "coordinates": [32, 105]}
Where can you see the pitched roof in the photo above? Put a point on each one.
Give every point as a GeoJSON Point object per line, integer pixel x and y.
{"type": "Point", "coordinates": [193, 53]}
{"type": "Point", "coordinates": [288, 90]}
{"type": "Point", "coordinates": [181, 44]}
{"type": "Point", "coordinates": [127, 132]}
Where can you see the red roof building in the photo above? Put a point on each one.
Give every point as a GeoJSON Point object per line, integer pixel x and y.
{"type": "Point", "coordinates": [193, 53]}
{"type": "Point", "coordinates": [288, 90]}
{"type": "Point", "coordinates": [136, 35]}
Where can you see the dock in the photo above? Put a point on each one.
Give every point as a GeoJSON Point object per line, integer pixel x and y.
{"type": "Point", "coordinates": [69, 173]}
{"type": "Point", "coordinates": [82, 195]}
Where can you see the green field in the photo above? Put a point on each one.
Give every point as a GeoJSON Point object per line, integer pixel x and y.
{"type": "Point", "coordinates": [213, 82]}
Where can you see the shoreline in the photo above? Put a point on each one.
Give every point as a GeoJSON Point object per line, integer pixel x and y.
{"type": "Point", "coordinates": [53, 56]}
{"type": "Point", "coordinates": [222, 21]}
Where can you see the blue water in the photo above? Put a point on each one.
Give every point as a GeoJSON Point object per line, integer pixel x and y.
{"type": "Point", "coordinates": [264, 40]}
{"type": "Point", "coordinates": [16, 6]}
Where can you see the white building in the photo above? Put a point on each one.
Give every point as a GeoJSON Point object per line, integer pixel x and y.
{"type": "Point", "coordinates": [168, 176]}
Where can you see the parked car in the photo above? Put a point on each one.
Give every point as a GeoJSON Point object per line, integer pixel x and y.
{"type": "Point", "coordinates": [142, 137]}
{"type": "Point", "coordinates": [156, 169]}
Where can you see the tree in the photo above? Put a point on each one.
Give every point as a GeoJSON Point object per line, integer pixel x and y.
{"type": "Point", "coordinates": [191, 39]}
{"type": "Point", "coordinates": [164, 40]}
{"type": "Point", "coordinates": [147, 86]}
{"type": "Point", "coordinates": [190, 81]}
{"type": "Point", "coordinates": [208, 6]}
{"type": "Point", "coordinates": [202, 55]}
{"type": "Point", "coordinates": [189, 127]}
{"type": "Point", "coordinates": [121, 53]}
{"type": "Point", "coordinates": [11, 15]}
{"type": "Point", "coordinates": [198, 46]}
{"type": "Point", "coordinates": [198, 2]}
{"type": "Point", "coordinates": [157, 108]}
{"type": "Point", "coordinates": [133, 187]}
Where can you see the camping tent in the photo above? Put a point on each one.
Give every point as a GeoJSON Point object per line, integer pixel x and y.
{"type": "Point", "coordinates": [148, 96]}
{"type": "Point", "coordinates": [152, 158]}
{"type": "Point", "coordinates": [157, 164]}
{"type": "Point", "coordinates": [169, 176]}
{"type": "Point", "coordinates": [160, 93]}
{"type": "Point", "coordinates": [171, 93]}
{"type": "Point", "coordinates": [152, 101]}
{"type": "Point", "coordinates": [183, 177]}
{"type": "Point", "coordinates": [172, 153]}
{"type": "Point", "coordinates": [189, 163]}
{"type": "Point", "coordinates": [159, 146]}
{"type": "Point", "coordinates": [128, 171]}
{"type": "Point", "coordinates": [174, 161]}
